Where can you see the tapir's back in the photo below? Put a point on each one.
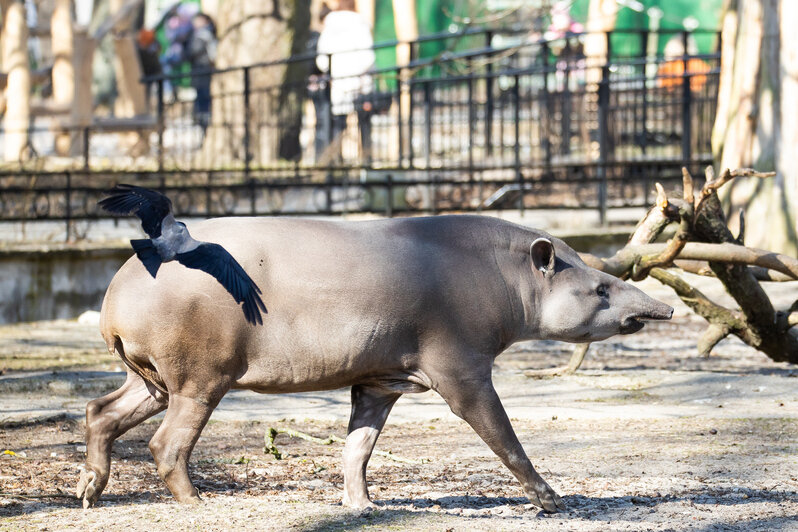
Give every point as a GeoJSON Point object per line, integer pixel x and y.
{"type": "Point", "coordinates": [334, 291]}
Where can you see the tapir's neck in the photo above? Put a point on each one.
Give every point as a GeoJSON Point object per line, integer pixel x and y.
{"type": "Point", "coordinates": [522, 293]}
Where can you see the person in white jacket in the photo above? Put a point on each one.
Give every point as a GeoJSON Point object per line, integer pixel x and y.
{"type": "Point", "coordinates": [345, 52]}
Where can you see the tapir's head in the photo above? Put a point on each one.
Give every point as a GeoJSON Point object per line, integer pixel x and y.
{"type": "Point", "coordinates": [577, 303]}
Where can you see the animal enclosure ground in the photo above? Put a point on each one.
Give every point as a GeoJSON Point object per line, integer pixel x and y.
{"type": "Point", "coordinates": [645, 437]}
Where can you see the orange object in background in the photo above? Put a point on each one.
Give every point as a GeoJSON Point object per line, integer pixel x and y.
{"type": "Point", "coordinates": [670, 73]}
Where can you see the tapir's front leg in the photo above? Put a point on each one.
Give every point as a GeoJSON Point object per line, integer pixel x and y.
{"type": "Point", "coordinates": [370, 409]}
{"type": "Point", "coordinates": [475, 400]}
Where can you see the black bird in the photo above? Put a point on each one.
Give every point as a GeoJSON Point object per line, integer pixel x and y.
{"type": "Point", "coordinates": [170, 240]}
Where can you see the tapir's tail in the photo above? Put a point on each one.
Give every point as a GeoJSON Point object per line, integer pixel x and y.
{"type": "Point", "coordinates": [147, 254]}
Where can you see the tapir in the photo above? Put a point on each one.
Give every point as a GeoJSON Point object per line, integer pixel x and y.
{"type": "Point", "coordinates": [386, 307]}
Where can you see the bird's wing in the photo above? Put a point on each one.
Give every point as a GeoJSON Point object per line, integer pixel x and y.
{"type": "Point", "coordinates": [151, 206]}
{"type": "Point", "coordinates": [216, 261]}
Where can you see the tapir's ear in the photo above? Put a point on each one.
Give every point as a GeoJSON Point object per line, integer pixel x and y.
{"type": "Point", "coordinates": [542, 252]}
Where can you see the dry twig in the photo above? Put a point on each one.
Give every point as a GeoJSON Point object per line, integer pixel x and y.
{"type": "Point", "coordinates": [272, 433]}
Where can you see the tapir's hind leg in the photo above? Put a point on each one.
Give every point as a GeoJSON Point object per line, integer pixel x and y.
{"type": "Point", "coordinates": [370, 409]}
{"type": "Point", "coordinates": [174, 440]}
{"type": "Point", "coordinates": [107, 418]}
{"type": "Point", "coordinates": [476, 401]}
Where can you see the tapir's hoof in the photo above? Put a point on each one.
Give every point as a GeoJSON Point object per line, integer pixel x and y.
{"type": "Point", "coordinates": [362, 504]}
{"type": "Point", "coordinates": [546, 498]}
{"type": "Point", "coordinates": [87, 488]}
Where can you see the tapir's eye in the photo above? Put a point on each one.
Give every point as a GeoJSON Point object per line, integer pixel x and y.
{"type": "Point", "coordinates": [602, 291]}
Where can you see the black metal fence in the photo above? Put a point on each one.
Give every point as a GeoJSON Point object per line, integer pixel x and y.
{"type": "Point", "coordinates": [524, 125]}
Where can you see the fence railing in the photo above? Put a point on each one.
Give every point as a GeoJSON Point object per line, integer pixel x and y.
{"type": "Point", "coordinates": [524, 125]}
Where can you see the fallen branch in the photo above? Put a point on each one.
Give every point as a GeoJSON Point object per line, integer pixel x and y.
{"type": "Point", "coordinates": [712, 185]}
{"type": "Point", "coordinates": [272, 433]}
{"type": "Point", "coordinates": [577, 356]}
{"type": "Point", "coordinates": [716, 315]}
{"type": "Point", "coordinates": [623, 261]}
{"type": "Point", "coordinates": [701, 267]}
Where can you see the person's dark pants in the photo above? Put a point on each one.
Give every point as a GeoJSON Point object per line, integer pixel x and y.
{"type": "Point", "coordinates": [364, 125]}
{"type": "Point", "coordinates": [202, 103]}
{"type": "Point", "coordinates": [322, 107]}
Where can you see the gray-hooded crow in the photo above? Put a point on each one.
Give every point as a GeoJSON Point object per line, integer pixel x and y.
{"type": "Point", "coordinates": [170, 240]}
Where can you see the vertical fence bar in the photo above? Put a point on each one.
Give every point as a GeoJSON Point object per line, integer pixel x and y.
{"type": "Point", "coordinates": [246, 111]}
{"type": "Point", "coordinates": [410, 151]}
{"type": "Point", "coordinates": [604, 141]}
{"type": "Point", "coordinates": [86, 161]}
{"type": "Point", "coordinates": [566, 104]}
{"type": "Point", "coordinates": [400, 140]}
{"type": "Point", "coordinates": [427, 125]}
{"type": "Point", "coordinates": [68, 205]}
{"type": "Point", "coordinates": [161, 122]}
{"type": "Point", "coordinates": [545, 110]}
{"type": "Point", "coordinates": [471, 120]}
{"type": "Point", "coordinates": [488, 95]}
{"type": "Point", "coordinates": [686, 103]}
{"type": "Point", "coordinates": [519, 176]}
{"type": "Point", "coordinates": [248, 141]}
{"type": "Point", "coordinates": [389, 198]}
{"type": "Point", "coordinates": [208, 194]}
{"type": "Point", "coordinates": [643, 123]}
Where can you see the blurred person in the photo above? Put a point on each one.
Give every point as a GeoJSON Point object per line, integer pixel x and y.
{"type": "Point", "coordinates": [346, 42]}
{"type": "Point", "coordinates": [149, 50]}
{"type": "Point", "coordinates": [201, 55]}
{"type": "Point", "coordinates": [178, 30]}
{"type": "Point", "coordinates": [317, 91]}
{"type": "Point", "coordinates": [672, 71]}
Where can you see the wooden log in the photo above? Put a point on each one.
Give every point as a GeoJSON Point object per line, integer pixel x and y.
{"type": "Point", "coordinates": [131, 100]}
{"type": "Point", "coordinates": [16, 65]}
{"type": "Point", "coordinates": [63, 67]}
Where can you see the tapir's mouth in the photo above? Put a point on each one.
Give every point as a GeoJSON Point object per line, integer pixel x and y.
{"type": "Point", "coordinates": [632, 324]}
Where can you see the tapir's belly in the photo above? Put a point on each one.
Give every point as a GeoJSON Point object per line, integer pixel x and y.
{"type": "Point", "coordinates": [330, 355]}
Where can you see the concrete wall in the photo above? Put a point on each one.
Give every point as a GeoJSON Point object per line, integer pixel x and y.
{"type": "Point", "coordinates": [50, 282]}
{"type": "Point", "coordinates": [45, 281]}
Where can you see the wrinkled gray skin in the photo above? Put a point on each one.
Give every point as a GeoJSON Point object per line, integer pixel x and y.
{"type": "Point", "coordinates": [386, 307]}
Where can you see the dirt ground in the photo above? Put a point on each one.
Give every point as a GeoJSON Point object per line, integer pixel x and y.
{"type": "Point", "coordinates": [645, 437]}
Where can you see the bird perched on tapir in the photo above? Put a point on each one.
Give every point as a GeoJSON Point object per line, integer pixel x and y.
{"type": "Point", "coordinates": [170, 240]}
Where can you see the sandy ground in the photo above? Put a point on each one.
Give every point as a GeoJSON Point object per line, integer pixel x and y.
{"type": "Point", "coordinates": [646, 436]}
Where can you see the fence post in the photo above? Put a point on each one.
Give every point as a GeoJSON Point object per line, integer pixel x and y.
{"type": "Point", "coordinates": [604, 145]}
{"type": "Point", "coordinates": [160, 117]}
{"type": "Point", "coordinates": [687, 96]}
{"type": "Point", "coordinates": [519, 175]}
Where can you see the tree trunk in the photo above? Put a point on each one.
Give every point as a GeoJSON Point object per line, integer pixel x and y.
{"type": "Point", "coordinates": [601, 18]}
{"type": "Point", "coordinates": [249, 31]}
{"type": "Point", "coordinates": [755, 124]}
{"type": "Point", "coordinates": [16, 65]}
{"type": "Point", "coordinates": [294, 89]}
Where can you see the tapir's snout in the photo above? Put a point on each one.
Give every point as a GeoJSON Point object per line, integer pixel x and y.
{"type": "Point", "coordinates": [655, 310]}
